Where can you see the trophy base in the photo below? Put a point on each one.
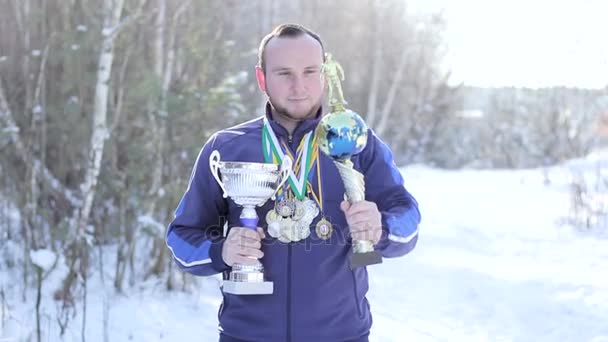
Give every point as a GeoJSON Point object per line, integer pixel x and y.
{"type": "Point", "coordinates": [248, 288]}
{"type": "Point", "coordinates": [364, 254]}
{"type": "Point", "coordinates": [365, 259]}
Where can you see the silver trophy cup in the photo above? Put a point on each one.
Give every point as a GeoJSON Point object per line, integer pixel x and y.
{"type": "Point", "coordinates": [248, 185]}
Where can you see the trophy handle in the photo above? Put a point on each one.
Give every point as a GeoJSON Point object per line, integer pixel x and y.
{"type": "Point", "coordinates": [214, 164]}
{"type": "Point", "coordinates": [285, 169]}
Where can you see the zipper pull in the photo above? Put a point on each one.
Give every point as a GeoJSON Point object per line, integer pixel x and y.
{"type": "Point", "coordinates": [290, 139]}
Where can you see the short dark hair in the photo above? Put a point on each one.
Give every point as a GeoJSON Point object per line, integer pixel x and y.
{"type": "Point", "coordinates": [286, 30]}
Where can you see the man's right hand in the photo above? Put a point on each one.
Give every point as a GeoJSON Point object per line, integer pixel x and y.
{"type": "Point", "coordinates": [243, 246]}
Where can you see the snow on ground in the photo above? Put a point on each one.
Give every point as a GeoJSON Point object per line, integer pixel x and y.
{"type": "Point", "coordinates": [493, 263]}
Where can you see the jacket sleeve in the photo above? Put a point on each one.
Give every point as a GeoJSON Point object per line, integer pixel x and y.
{"type": "Point", "coordinates": [385, 186]}
{"type": "Point", "coordinates": [195, 236]}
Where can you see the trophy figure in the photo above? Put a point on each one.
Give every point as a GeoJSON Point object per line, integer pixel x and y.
{"type": "Point", "coordinates": [341, 134]}
{"type": "Point", "coordinates": [248, 185]}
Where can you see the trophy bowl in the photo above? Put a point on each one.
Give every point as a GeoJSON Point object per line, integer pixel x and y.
{"type": "Point", "coordinates": [248, 185]}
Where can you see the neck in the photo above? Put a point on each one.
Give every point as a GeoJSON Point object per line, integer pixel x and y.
{"type": "Point", "coordinates": [288, 123]}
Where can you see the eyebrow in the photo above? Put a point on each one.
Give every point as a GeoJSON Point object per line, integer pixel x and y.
{"type": "Point", "coordinates": [278, 69]}
{"type": "Point", "coordinates": [311, 67]}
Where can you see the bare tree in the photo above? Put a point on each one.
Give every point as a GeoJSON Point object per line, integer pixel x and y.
{"type": "Point", "coordinates": [79, 251]}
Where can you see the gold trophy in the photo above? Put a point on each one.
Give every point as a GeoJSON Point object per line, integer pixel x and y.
{"type": "Point", "coordinates": [341, 134]}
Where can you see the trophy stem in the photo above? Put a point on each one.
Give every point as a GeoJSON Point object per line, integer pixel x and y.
{"type": "Point", "coordinates": [364, 253]}
{"type": "Point", "coordinates": [248, 279]}
{"type": "Point", "coordinates": [247, 273]}
{"type": "Point", "coordinates": [249, 217]}
{"type": "Point", "coordinates": [354, 183]}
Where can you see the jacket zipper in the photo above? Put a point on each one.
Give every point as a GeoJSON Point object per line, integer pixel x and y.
{"type": "Point", "coordinates": [289, 293]}
{"type": "Point", "coordinates": [289, 252]}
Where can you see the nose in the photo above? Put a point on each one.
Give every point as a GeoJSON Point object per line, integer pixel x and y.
{"type": "Point", "coordinates": [297, 84]}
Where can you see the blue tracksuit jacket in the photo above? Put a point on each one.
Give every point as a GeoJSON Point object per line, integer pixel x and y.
{"type": "Point", "coordinates": [317, 297]}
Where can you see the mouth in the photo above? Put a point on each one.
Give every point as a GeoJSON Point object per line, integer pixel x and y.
{"type": "Point", "coordinates": [298, 99]}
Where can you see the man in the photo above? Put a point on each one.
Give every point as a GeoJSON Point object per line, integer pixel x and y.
{"type": "Point", "coordinates": [317, 297]}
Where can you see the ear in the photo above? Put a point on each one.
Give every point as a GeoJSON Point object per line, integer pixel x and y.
{"type": "Point", "coordinates": [259, 75]}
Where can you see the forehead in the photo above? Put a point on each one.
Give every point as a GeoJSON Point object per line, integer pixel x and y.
{"type": "Point", "coordinates": [293, 52]}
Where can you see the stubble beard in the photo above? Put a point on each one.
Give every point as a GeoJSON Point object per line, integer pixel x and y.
{"type": "Point", "coordinates": [282, 111]}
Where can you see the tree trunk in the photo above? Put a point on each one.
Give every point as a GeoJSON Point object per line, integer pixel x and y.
{"type": "Point", "coordinates": [390, 98]}
{"type": "Point", "coordinates": [155, 111]}
{"type": "Point", "coordinates": [123, 242]}
{"type": "Point", "coordinates": [113, 11]}
{"type": "Point", "coordinates": [79, 247]}
{"type": "Point", "coordinates": [372, 99]}
{"type": "Point", "coordinates": [164, 64]}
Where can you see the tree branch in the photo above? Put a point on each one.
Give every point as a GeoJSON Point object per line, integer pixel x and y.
{"type": "Point", "coordinates": [12, 129]}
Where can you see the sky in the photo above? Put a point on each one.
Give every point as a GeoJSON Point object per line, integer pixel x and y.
{"type": "Point", "coordinates": [532, 43]}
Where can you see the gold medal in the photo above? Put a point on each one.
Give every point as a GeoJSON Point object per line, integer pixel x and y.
{"type": "Point", "coordinates": [324, 229]}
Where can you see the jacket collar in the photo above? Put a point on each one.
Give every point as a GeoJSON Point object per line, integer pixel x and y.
{"type": "Point", "coordinates": [303, 127]}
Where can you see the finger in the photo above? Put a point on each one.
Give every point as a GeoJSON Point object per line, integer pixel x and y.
{"type": "Point", "coordinates": [250, 252]}
{"type": "Point", "coordinates": [345, 205]}
{"type": "Point", "coordinates": [243, 260]}
{"type": "Point", "coordinates": [364, 219]}
{"type": "Point", "coordinates": [364, 236]}
{"type": "Point", "coordinates": [247, 239]}
{"type": "Point", "coordinates": [234, 237]}
{"type": "Point", "coordinates": [236, 232]}
{"type": "Point", "coordinates": [261, 233]}
{"type": "Point", "coordinates": [363, 206]}
{"type": "Point", "coordinates": [252, 234]}
{"type": "Point", "coordinates": [361, 217]}
{"type": "Point", "coordinates": [360, 227]}
{"type": "Point", "coordinates": [239, 232]}
{"type": "Point", "coordinates": [251, 243]}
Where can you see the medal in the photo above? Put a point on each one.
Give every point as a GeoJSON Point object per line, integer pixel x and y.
{"type": "Point", "coordinates": [302, 229]}
{"type": "Point", "coordinates": [274, 223]}
{"type": "Point", "coordinates": [310, 210]}
{"type": "Point", "coordinates": [293, 212]}
{"type": "Point", "coordinates": [324, 229]}
{"type": "Point", "coordinates": [285, 208]}
{"type": "Point", "coordinates": [295, 227]}
{"type": "Point", "coordinates": [287, 231]}
{"type": "Point", "coordinates": [300, 209]}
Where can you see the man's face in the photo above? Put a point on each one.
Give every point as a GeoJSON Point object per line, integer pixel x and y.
{"type": "Point", "coordinates": [292, 80]}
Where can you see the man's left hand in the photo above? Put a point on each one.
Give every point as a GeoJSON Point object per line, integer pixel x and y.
{"type": "Point", "coordinates": [364, 220]}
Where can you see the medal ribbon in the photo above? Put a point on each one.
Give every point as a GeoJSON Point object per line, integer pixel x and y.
{"type": "Point", "coordinates": [317, 198]}
{"type": "Point", "coordinates": [275, 151]}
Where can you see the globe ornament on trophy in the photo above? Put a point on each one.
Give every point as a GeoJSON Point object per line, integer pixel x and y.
{"type": "Point", "coordinates": [248, 185]}
{"type": "Point", "coordinates": [341, 134]}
